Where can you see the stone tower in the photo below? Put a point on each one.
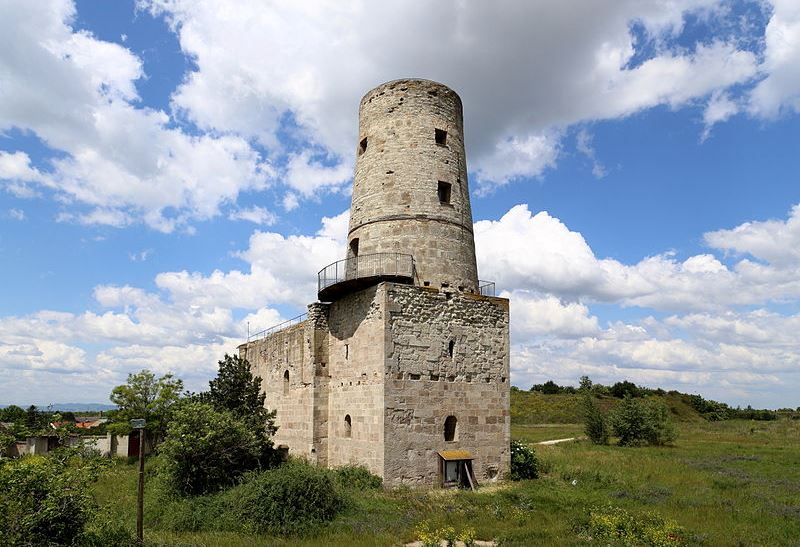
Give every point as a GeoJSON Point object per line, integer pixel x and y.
{"type": "Point", "coordinates": [410, 193]}
{"type": "Point", "coordinates": [403, 363]}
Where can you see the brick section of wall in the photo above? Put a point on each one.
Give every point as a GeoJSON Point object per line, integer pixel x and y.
{"type": "Point", "coordinates": [425, 385]}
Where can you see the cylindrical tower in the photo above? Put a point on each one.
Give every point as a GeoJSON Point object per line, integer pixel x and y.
{"type": "Point", "coordinates": [410, 193]}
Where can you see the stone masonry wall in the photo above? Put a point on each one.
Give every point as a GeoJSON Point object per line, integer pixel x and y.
{"type": "Point", "coordinates": [356, 356]}
{"type": "Point", "coordinates": [425, 384]}
{"type": "Point", "coordinates": [399, 163]}
{"type": "Point", "coordinates": [270, 358]}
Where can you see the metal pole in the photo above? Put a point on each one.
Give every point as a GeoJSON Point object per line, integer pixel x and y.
{"type": "Point", "coordinates": [140, 497]}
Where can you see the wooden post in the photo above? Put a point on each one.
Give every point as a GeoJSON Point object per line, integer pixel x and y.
{"type": "Point", "coordinates": [140, 495]}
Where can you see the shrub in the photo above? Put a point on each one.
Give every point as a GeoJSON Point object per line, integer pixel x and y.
{"type": "Point", "coordinates": [623, 389]}
{"type": "Point", "coordinates": [291, 499]}
{"type": "Point", "coordinates": [616, 525]}
{"type": "Point", "coordinates": [524, 464]}
{"type": "Point", "coordinates": [207, 449]}
{"type": "Point", "coordinates": [637, 423]}
{"type": "Point", "coordinates": [43, 501]}
{"type": "Point", "coordinates": [595, 422]}
{"type": "Point", "coordinates": [357, 477]}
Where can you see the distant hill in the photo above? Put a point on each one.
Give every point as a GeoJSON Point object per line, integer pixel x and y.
{"type": "Point", "coordinates": [71, 407]}
{"type": "Point", "coordinates": [535, 407]}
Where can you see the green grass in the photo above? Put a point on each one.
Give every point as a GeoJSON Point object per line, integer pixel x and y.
{"type": "Point", "coordinates": [533, 407]}
{"type": "Point", "coordinates": [724, 483]}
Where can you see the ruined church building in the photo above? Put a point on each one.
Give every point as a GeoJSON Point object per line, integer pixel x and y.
{"type": "Point", "coordinates": [403, 364]}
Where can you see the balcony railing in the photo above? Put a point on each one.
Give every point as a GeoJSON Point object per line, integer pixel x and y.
{"type": "Point", "coordinates": [275, 328]}
{"type": "Point", "coordinates": [486, 288]}
{"type": "Point", "coordinates": [361, 271]}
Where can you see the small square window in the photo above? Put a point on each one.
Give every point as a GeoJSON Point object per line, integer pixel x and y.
{"type": "Point", "coordinates": [441, 137]}
{"type": "Point", "coordinates": [362, 146]}
{"type": "Point", "coordinates": [444, 191]}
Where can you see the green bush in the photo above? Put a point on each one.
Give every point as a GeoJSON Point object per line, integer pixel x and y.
{"type": "Point", "coordinates": [43, 501]}
{"type": "Point", "coordinates": [207, 449]}
{"type": "Point", "coordinates": [357, 477]}
{"type": "Point", "coordinates": [595, 423]}
{"type": "Point", "coordinates": [638, 423]}
{"type": "Point", "coordinates": [291, 499]}
{"type": "Point", "coordinates": [524, 464]}
{"type": "Point", "coordinates": [619, 527]}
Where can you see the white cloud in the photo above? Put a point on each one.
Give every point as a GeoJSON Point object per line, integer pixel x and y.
{"type": "Point", "coordinates": [124, 163]}
{"type": "Point", "coordinates": [256, 215]}
{"type": "Point", "coordinates": [774, 241]}
{"type": "Point", "coordinates": [538, 253]}
{"type": "Point", "coordinates": [552, 278]}
{"type": "Point", "coordinates": [525, 71]}
{"type": "Point", "coordinates": [583, 142]}
{"type": "Point", "coordinates": [545, 315]}
{"type": "Point", "coordinates": [16, 214]}
{"type": "Point", "coordinates": [720, 107]}
{"type": "Point", "coordinates": [780, 89]}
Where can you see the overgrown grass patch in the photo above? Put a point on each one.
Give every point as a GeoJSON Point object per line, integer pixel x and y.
{"type": "Point", "coordinates": [684, 484]}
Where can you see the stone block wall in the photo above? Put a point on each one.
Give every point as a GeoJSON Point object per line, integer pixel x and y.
{"type": "Point", "coordinates": [399, 165]}
{"type": "Point", "coordinates": [287, 350]}
{"type": "Point", "coordinates": [446, 355]}
{"type": "Point", "coordinates": [356, 356]}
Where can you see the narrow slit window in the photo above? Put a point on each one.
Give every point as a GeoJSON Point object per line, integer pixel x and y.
{"type": "Point", "coordinates": [444, 191]}
{"type": "Point", "coordinates": [450, 425]}
{"type": "Point", "coordinates": [362, 146]}
{"type": "Point", "coordinates": [450, 347]}
{"type": "Point", "coordinates": [441, 137]}
{"type": "Point", "coordinates": [348, 426]}
{"type": "Point", "coordinates": [286, 383]}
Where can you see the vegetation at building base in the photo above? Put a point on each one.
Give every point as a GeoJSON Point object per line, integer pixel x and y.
{"type": "Point", "coordinates": [524, 465]}
{"type": "Point", "coordinates": [731, 482]}
{"type": "Point", "coordinates": [720, 482]}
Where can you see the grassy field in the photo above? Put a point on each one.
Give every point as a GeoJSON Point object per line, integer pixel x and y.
{"type": "Point", "coordinates": [724, 483]}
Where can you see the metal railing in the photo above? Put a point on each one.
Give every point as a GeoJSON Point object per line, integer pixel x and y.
{"type": "Point", "coordinates": [486, 288]}
{"type": "Point", "coordinates": [275, 328]}
{"type": "Point", "coordinates": [369, 265]}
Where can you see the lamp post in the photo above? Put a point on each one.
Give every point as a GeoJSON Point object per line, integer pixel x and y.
{"type": "Point", "coordinates": [139, 425]}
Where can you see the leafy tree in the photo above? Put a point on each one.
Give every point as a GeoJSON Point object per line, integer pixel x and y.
{"type": "Point", "coordinates": [145, 396]}
{"type": "Point", "coordinates": [550, 388]}
{"type": "Point", "coordinates": [207, 449]}
{"type": "Point", "coordinates": [595, 423]}
{"type": "Point", "coordinates": [636, 423]}
{"type": "Point", "coordinates": [237, 390]}
{"type": "Point", "coordinates": [621, 389]}
{"type": "Point", "coordinates": [12, 413]}
{"type": "Point", "coordinates": [585, 384]}
{"type": "Point", "coordinates": [35, 419]}
{"type": "Point", "coordinates": [44, 500]}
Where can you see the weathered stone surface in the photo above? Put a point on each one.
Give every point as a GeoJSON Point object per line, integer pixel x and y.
{"type": "Point", "coordinates": [374, 375]}
{"type": "Point", "coordinates": [396, 206]}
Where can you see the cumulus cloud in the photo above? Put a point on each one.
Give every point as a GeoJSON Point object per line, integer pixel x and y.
{"type": "Point", "coordinates": [522, 81]}
{"type": "Point", "coordinates": [539, 253]}
{"type": "Point", "coordinates": [256, 215]}
{"type": "Point", "coordinates": [119, 163]}
{"type": "Point", "coordinates": [779, 90]}
{"type": "Point", "coordinates": [550, 273]}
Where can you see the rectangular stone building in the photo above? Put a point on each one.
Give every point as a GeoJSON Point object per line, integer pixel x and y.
{"type": "Point", "coordinates": [373, 378]}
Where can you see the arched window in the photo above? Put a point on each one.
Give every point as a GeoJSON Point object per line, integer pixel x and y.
{"type": "Point", "coordinates": [450, 425]}
{"type": "Point", "coordinates": [286, 383]}
{"type": "Point", "coordinates": [348, 426]}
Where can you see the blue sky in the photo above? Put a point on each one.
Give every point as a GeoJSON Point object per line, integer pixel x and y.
{"type": "Point", "coordinates": [172, 171]}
